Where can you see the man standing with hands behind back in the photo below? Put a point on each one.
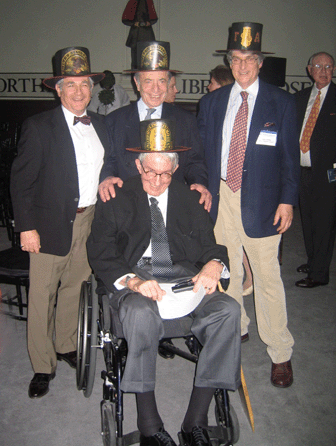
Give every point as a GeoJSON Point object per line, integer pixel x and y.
{"type": "Point", "coordinates": [54, 187]}
{"type": "Point", "coordinates": [251, 148]}
{"type": "Point", "coordinates": [317, 120]}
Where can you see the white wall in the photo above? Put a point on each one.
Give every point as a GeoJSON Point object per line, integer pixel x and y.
{"type": "Point", "coordinates": [31, 31]}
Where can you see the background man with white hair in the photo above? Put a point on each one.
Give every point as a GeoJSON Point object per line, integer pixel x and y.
{"type": "Point", "coordinates": [317, 121]}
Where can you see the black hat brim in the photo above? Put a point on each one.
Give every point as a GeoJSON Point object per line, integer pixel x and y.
{"type": "Point", "coordinates": [51, 82]}
{"type": "Point", "coordinates": [140, 71]}
{"type": "Point", "coordinates": [251, 51]}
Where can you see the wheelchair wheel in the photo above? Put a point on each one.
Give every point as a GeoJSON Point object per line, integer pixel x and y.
{"type": "Point", "coordinates": [87, 337]}
{"type": "Point", "coordinates": [220, 419]}
{"type": "Point", "coordinates": [108, 424]}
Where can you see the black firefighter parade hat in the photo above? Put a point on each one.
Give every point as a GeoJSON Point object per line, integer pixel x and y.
{"type": "Point", "coordinates": [245, 36]}
{"type": "Point", "coordinates": [72, 62]}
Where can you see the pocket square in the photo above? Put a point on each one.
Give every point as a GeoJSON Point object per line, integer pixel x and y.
{"type": "Point", "coordinates": [269, 124]}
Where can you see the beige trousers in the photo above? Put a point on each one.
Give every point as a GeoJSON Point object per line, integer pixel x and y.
{"type": "Point", "coordinates": [269, 293]}
{"type": "Point", "coordinates": [54, 329]}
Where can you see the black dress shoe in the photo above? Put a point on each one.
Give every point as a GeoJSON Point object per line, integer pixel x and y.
{"type": "Point", "coordinates": [70, 358]}
{"type": "Point", "coordinates": [161, 438]}
{"type": "Point", "coordinates": [39, 385]}
{"type": "Point", "coordinates": [309, 283]}
{"type": "Point", "coordinates": [303, 268]}
{"type": "Point", "coordinates": [166, 354]}
{"type": "Point", "coordinates": [197, 437]}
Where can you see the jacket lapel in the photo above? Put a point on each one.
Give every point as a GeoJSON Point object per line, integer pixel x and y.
{"type": "Point", "coordinates": [261, 114]}
{"type": "Point", "coordinates": [100, 129]}
{"type": "Point", "coordinates": [329, 103]}
{"type": "Point", "coordinates": [63, 139]}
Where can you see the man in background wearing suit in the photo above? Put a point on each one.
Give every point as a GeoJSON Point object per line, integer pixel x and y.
{"type": "Point", "coordinates": [152, 79]}
{"type": "Point", "coordinates": [54, 186]}
{"type": "Point", "coordinates": [317, 120]}
{"type": "Point", "coordinates": [132, 253]}
{"type": "Point", "coordinates": [251, 148]}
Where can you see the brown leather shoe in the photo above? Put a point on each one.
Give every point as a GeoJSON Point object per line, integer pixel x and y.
{"type": "Point", "coordinates": [70, 358]}
{"type": "Point", "coordinates": [245, 337]}
{"type": "Point", "coordinates": [282, 374]}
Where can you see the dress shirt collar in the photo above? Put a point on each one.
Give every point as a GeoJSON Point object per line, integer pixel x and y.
{"type": "Point", "coordinates": [162, 199]}
{"type": "Point", "coordinates": [142, 109]}
{"type": "Point", "coordinates": [69, 116]}
{"type": "Point", "coordinates": [323, 91]}
{"type": "Point", "coordinates": [162, 203]}
{"type": "Point", "coordinates": [251, 90]}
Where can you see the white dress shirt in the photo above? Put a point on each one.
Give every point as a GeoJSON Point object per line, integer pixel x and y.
{"type": "Point", "coordinates": [89, 153]}
{"type": "Point", "coordinates": [234, 103]}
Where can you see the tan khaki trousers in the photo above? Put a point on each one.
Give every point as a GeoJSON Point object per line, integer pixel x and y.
{"type": "Point", "coordinates": [269, 293]}
{"type": "Point", "coordinates": [51, 329]}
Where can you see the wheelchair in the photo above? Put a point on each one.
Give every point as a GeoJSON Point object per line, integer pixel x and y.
{"type": "Point", "coordinates": [99, 328]}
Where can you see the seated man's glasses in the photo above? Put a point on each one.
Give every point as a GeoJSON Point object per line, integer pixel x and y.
{"type": "Point", "coordinates": [150, 174]}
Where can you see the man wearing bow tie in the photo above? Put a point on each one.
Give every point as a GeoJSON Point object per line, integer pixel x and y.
{"type": "Point", "coordinates": [54, 188]}
{"type": "Point", "coordinates": [253, 178]}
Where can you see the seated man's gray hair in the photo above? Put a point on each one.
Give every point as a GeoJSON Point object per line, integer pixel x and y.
{"type": "Point", "coordinates": [172, 156]}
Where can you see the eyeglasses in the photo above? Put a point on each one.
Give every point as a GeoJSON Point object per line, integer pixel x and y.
{"type": "Point", "coordinates": [150, 174]}
{"type": "Point", "coordinates": [321, 67]}
{"type": "Point", "coordinates": [250, 60]}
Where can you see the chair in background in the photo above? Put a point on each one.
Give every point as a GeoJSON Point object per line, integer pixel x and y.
{"type": "Point", "coordinates": [14, 263]}
{"type": "Point", "coordinates": [14, 270]}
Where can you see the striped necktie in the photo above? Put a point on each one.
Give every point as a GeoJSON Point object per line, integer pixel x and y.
{"type": "Point", "coordinates": [161, 260]}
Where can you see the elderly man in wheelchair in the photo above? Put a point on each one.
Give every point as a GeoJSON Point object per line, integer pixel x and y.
{"type": "Point", "coordinates": [153, 233]}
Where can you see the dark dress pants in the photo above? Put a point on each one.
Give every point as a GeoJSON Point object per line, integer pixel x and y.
{"type": "Point", "coordinates": [318, 217]}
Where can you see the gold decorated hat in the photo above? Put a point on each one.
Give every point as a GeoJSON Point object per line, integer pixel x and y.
{"type": "Point", "coordinates": [158, 135]}
{"type": "Point", "coordinates": [245, 36]}
{"type": "Point", "coordinates": [72, 62]}
{"type": "Point", "coordinates": [153, 56]}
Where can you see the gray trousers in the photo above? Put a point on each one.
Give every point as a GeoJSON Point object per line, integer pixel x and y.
{"type": "Point", "coordinates": [215, 323]}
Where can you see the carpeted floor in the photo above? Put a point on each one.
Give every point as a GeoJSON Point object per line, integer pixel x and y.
{"type": "Point", "coordinates": [302, 415]}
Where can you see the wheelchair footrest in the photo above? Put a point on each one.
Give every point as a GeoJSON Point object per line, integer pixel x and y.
{"type": "Point", "coordinates": [218, 436]}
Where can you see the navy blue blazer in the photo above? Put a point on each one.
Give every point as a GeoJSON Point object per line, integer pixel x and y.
{"type": "Point", "coordinates": [270, 173]}
{"type": "Point", "coordinates": [44, 179]}
{"type": "Point", "coordinates": [124, 132]}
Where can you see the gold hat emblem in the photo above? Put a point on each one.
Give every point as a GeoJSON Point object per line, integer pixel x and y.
{"type": "Point", "coordinates": [154, 57]}
{"type": "Point", "coordinates": [74, 63]}
{"type": "Point", "coordinates": [246, 37]}
{"type": "Point", "coordinates": [158, 137]}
